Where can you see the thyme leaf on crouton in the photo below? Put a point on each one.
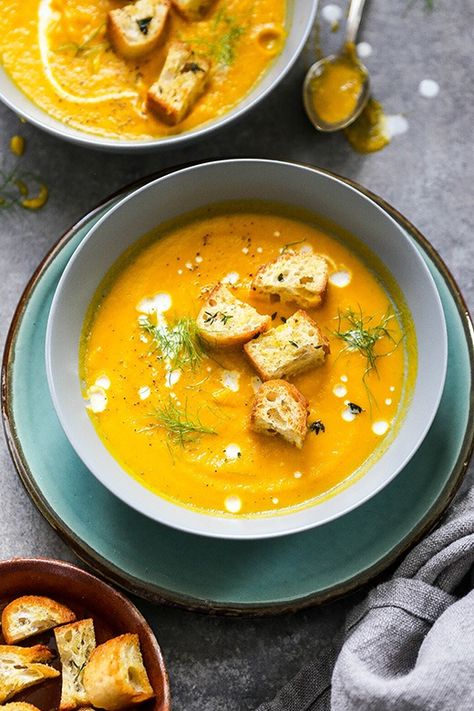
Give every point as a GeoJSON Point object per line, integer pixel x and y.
{"type": "Point", "coordinates": [362, 333]}
{"type": "Point", "coordinates": [179, 342]}
{"type": "Point", "coordinates": [143, 25]}
{"type": "Point", "coordinates": [181, 427]}
{"type": "Point", "coordinates": [212, 317]}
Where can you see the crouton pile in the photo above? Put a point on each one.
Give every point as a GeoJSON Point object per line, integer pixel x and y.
{"type": "Point", "coordinates": [137, 29]}
{"type": "Point", "coordinates": [109, 676]}
{"type": "Point", "coordinates": [276, 353]}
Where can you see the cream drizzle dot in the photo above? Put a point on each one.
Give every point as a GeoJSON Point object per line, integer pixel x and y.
{"type": "Point", "coordinates": [245, 250]}
{"type": "Point", "coordinates": [347, 415]}
{"type": "Point", "coordinates": [275, 500]}
{"type": "Point", "coordinates": [96, 399]}
{"type": "Point", "coordinates": [231, 278]}
{"type": "Point", "coordinates": [189, 265]}
{"type": "Point", "coordinates": [172, 377]}
{"type": "Point", "coordinates": [233, 504]}
{"type": "Point", "coordinates": [340, 279]}
{"type": "Point", "coordinates": [388, 401]}
{"type": "Point", "coordinates": [198, 259]}
{"type": "Point", "coordinates": [159, 303]}
{"type": "Point", "coordinates": [232, 451]}
{"type": "Point", "coordinates": [180, 271]}
{"type": "Point", "coordinates": [277, 233]}
{"type": "Point", "coordinates": [230, 380]}
{"type": "Point", "coordinates": [298, 475]}
{"type": "Point", "coordinates": [380, 427]}
{"type": "Point", "coordinates": [339, 390]}
{"type": "Point", "coordinates": [144, 392]}
{"type": "Point", "coordinates": [103, 382]}
{"type": "Point", "coordinates": [392, 389]}
{"type": "Point", "coordinates": [260, 250]}
{"type": "Point", "coordinates": [344, 378]}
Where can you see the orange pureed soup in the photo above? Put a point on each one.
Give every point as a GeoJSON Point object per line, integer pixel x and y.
{"type": "Point", "coordinates": [59, 54]}
{"type": "Point", "coordinates": [178, 420]}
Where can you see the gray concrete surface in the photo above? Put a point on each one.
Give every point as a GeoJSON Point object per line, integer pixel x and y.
{"type": "Point", "coordinates": [427, 173]}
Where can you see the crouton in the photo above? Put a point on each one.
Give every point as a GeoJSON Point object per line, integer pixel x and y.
{"type": "Point", "coordinates": [288, 349]}
{"type": "Point", "coordinates": [18, 706]}
{"type": "Point", "coordinates": [301, 278]}
{"type": "Point", "coordinates": [224, 320]}
{"type": "Point", "coordinates": [115, 676]}
{"type": "Point", "coordinates": [182, 80]}
{"type": "Point", "coordinates": [280, 409]}
{"type": "Point", "coordinates": [22, 667]}
{"type": "Point", "coordinates": [136, 29]}
{"type": "Point", "coordinates": [192, 9]}
{"type": "Point", "coordinates": [32, 614]}
{"type": "Point", "coordinates": [75, 642]}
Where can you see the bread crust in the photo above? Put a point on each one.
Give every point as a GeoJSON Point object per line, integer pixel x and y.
{"type": "Point", "coordinates": [192, 9]}
{"type": "Point", "coordinates": [22, 667]}
{"type": "Point", "coordinates": [115, 676]}
{"type": "Point", "coordinates": [182, 80]}
{"type": "Point", "coordinates": [31, 614]}
{"type": "Point", "coordinates": [295, 277]}
{"type": "Point", "coordinates": [290, 421]}
{"type": "Point", "coordinates": [244, 322]}
{"type": "Point", "coordinates": [75, 642]}
{"type": "Point", "coordinates": [277, 353]}
{"type": "Point", "coordinates": [123, 27]}
{"type": "Point", "coordinates": [18, 706]}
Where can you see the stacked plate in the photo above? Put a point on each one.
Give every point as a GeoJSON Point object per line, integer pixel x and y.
{"type": "Point", "coordinates": [249, 567]}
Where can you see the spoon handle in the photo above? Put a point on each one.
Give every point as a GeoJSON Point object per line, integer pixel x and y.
{"type": "Point", "coordinates": [354, 16]}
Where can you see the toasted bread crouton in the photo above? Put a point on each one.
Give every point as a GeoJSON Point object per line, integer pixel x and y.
{"type": "Point", "coordinates": [301, 278]}
{"type": "Point", "coordinates": [134, 30]}
{"type": "Point", "coordinates": [32, 614]}
{"type": "Point", "coordinates": [75, 642]}
{"type": "Point", "coordinates": [21, 667]}
{"type": "Point", "coordinates": [288, 349]}
{"type": "Point", "coordinates": [182, 80]}
{"type": "Point", "coordinates": [115, 676]}
{"type": "Point", "coordinates": [18, 706]}
{"type": "Point", "coordinates": [280, 409]}
{"type": "Point", "coordinates": [224, 320]}
{"type": "Point", "coordinates": [192, 9]}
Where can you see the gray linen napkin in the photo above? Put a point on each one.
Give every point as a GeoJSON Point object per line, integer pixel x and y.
{"type": "Point", "coordinates": [410, 645]}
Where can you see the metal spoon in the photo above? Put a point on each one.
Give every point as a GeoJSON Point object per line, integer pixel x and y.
{"type": "Point", "coordinates": [354, 17]}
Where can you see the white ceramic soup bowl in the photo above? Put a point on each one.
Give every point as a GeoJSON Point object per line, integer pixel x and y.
{"type": "Point", "coordinates": [187, 189]}
{"type": "Point", "coordinates": [300, 18]}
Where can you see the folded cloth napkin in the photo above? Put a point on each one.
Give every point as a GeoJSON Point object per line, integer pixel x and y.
{"type": "Point", "coordinates": [410, 645]}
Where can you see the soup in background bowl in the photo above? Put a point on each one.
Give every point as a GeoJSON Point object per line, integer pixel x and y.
{"type": "Point", "coordinates": [163, 417]}
{"type": "Point", "coordinates": [63, 69]}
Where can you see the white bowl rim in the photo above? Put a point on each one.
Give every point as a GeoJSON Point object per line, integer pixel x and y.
{"type": "Point", "coordinates": [61, 130]}
{"type": "Point", "coordinates": [198, 517]}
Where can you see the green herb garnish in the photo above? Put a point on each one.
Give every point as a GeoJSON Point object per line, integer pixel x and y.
{"type": "Point", "coordinates": [226, 33]}
{"type": "Point", "coordinates": [143, 25]}
{"type": "Point", "coordinates": [212, 317]}
{"type": "Point", "coordinates": [355, 409]}
{"type": "Point", "coordinates": [280, 277]}
{"type": "Point", "coordinates": [361, 333]}
{"type": "Point", "coordinates": [179, 342]}
{"type": "Point", "coordinates": [317, 426]}
{"type": "Point", "coordinates": [291, 244]}
{"type": "Point", "coordinates": [180, 426]}
{"type": "Point", "coordinates": [293, 343]}
{"type": "Point", "coordinates": [85, 48]}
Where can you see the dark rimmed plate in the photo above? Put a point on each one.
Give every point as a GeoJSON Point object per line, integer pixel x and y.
{"type": "Point", "coordinates": [253, 577]}
{"type": "Point", "coordinates": [86, 596]}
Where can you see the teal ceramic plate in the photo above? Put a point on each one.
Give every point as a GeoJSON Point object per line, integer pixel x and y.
{"type": "Point", "coordinates": [253, 577]}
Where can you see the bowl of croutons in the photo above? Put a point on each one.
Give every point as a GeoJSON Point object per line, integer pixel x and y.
{"type": "Point", "coordinates": [68, 641]}
{"type": "Point", "coordinates": [244, 348]}
{"type": "Point", "coordinates": [148, 73]}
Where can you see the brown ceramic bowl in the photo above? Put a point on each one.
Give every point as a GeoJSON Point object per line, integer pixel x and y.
{"type": "Point", "coordinates": [87, 596]}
